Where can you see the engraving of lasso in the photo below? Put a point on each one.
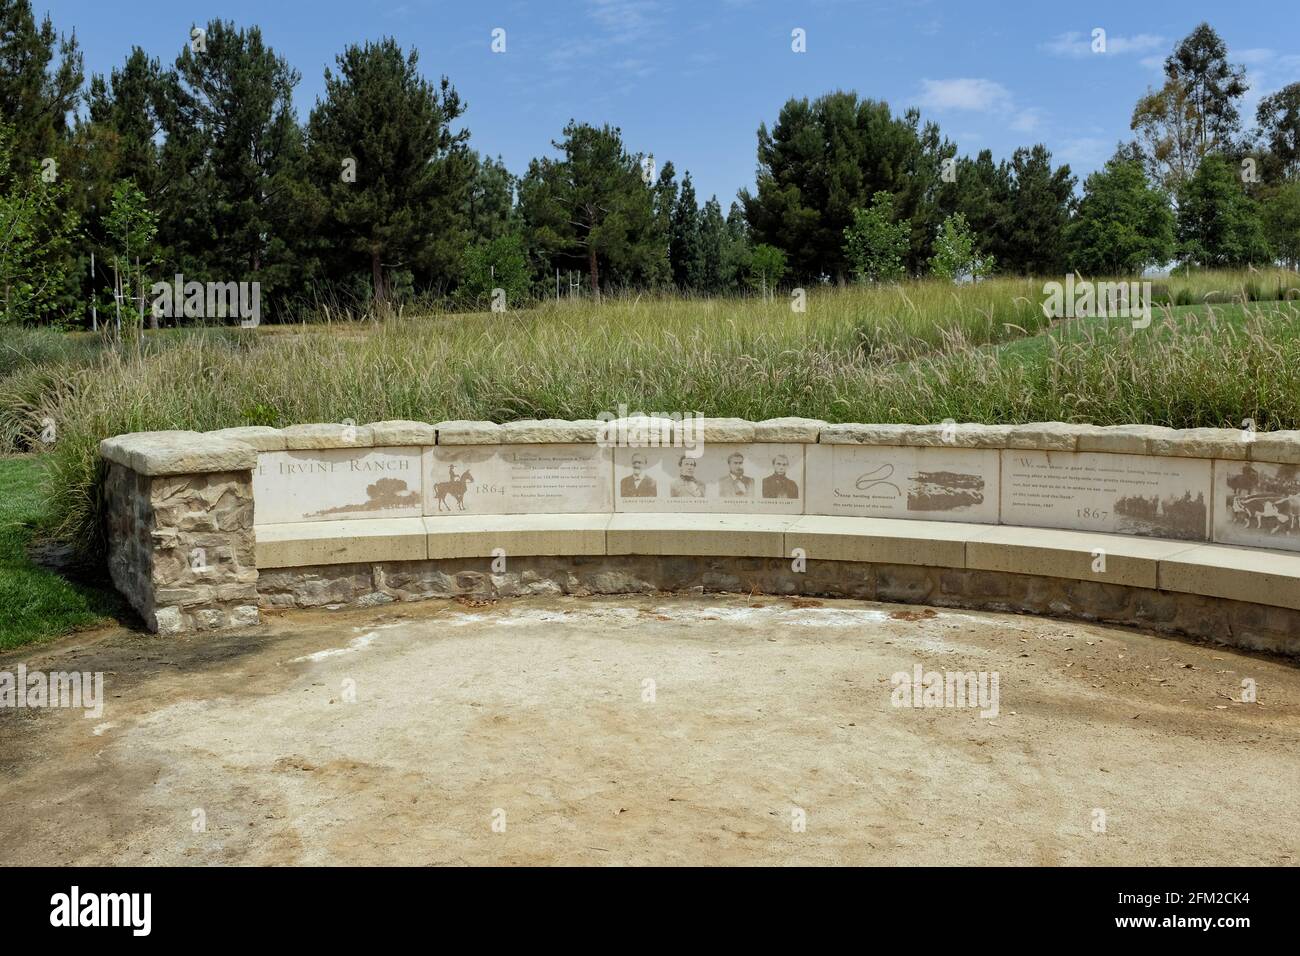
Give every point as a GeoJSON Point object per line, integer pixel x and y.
{"type": "Point", "coordinates": [875, 477]}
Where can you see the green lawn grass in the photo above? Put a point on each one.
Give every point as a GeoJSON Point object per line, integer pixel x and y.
{"type": "Point", "coordinates": [35, 603]}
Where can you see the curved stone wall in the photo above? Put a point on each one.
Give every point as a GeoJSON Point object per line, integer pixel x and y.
{"type": "Point", "coordinates": [195, 517]}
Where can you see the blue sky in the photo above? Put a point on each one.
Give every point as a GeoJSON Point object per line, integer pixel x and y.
{"type": "Point", "coordinates": [690, 81]}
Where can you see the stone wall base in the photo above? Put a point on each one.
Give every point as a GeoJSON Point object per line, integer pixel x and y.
{"type": "Point", "coordinates": [1234, 623]}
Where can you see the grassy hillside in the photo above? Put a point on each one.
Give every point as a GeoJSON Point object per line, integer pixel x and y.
{"type": "Point", "coordinates": [917, 352]}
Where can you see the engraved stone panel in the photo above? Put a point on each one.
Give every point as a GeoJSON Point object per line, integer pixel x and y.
{"type": "Point", "coordinates": [1256, 503]}
{"type": "Point", "coordinates": [720, 477]}
{"type": "Point", "coordinates": [329, 484]}
{"type": "Point", "coordinates": [518, 479]}
{"type": "Point", "coordinates": [1094, 491]}
{"type": "Point", "coordinates": [887, 481]}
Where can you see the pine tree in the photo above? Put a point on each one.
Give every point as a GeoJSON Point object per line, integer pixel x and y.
{"type": "Point", "coordinates": [393, 175]}
{"type": "Point", "coordinates": [40, 81]}
{"type": "Point", "coordinates": [713, 243]}
{"type": "Point", "coordinates": [1037, 212]}
{"type": "Point", "coordinates": [592, 208]}
{"type": "Point", "coordinates": [490, 201]}
{"type": "Point", "coordinates": [233, 144]}
{"type": "Point", "coordinates": [684, 252]}
{"type": "Point", "coordinates": [825, 158]}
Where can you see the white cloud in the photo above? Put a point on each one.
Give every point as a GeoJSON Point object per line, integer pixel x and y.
{"type": "Point", "coordinates": [1084, 151]}
{"type": "Point", "coordinates": [1026, 120]}
{"type": "Point", "coordinates": [964, 94]}
{"type": "Point", "coordinates": [1078, 45]}
{"type": "Point", "coordinates": [625, 21]}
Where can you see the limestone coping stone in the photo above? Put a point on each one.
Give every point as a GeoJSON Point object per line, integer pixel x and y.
{"type": "Point", "coordinates": [946, 435]}
{"type": "Point", "coordinates": [394, 434]}
{"type": "Point", "coordinates": [306, 543]}
{"type": "Point", "coordinates": [537, 431]}
{"type": "Point", "coordinates": [462, 432]}
{"type": "Point", "coordinates": [178, 453]}
{"type": "Point", "coordinates": [1223, 443]}
{"type": "Point", "coordinates": [261, 437]}
{"type": "Point", "coordinates": [725, 430]}
{"type": "Point", "coordinates": [1044, 436]}
{"type": "Point", "coordinates": [638, 430]}
{"type": "Point", "coordinates": [1120, 439]}
{"type": "Point", "coordinates": [1282, 447]}
{"type": "Point", "coordinates": [171, 450]}
{"type": "Point", "coordinates": [1128, 560]}
{"type": "Point", "coordinates": [327, 435]}
{"type": "Point", "coordinates": [790, 429]}
{"type": "Point", "coordinates": [478, 536]}
{"type": "Point", "coordinates": [879, 540]}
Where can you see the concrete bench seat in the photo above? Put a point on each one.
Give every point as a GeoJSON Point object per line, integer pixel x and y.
{"type": "Point", "coordinates": [478, 536]}
{"type": "Point", "coordinates": [1238, 574]}
{"type": "Point", "coordinates": [705, 535]}
{"type": "Point", "coordinates": [1077, 555]}
{"type": "Point", "coordinates": [309, 543]}
{"type": "Point", "coordinates": [1242, 574]}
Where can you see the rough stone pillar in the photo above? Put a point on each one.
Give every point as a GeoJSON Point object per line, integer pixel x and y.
{"type": "Point", "coordinates": [180, 529]}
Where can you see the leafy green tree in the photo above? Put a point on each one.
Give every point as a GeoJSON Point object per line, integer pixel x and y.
{"type": "Point", "coordinates": [767, 267]}
{"type": "Point", "coordinates": [132, 228]}
{"type": "Point", "coordinates": [393, 178]}
{"type": "Point", "coordinates": [36, 230]}
{"type": "Point", "coordinates": [685, 255]}
{"type": "Point", "coordinates": [956, 257]}
{"type": "Point", "coordinates": [1278, 116]}
{"type": "Point", "coordinates": [499, 263]}
{"type": "Point", "coordinates": [981, 191]}
{"type": "Point", "coordinates": [737, 253]}
{"type": "Point", "coordinates": [824, 159]}
{"type": "Point", "coordinates": [593, 208]}
{"type": "Point", "coordinates": [1123, 223]}
{"type": "Point", "coordinates": [876, 243]}
{"type": "Point", "coordinates": [1194, 113]}
{"type": "Point", "coordinates": [1018, 208]}
{"type": "Point", "coordinates": [1219, 225]}
{"type": "Point", "coordinates": [1282, 222]}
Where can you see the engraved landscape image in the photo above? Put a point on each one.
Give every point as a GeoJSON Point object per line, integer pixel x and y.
{"type": "Point", "coordinates": [944, 491]}
{"type": "Point", "coordinates": [386, 494]}
{"type": "Point", "coordinates": [1171, 516]}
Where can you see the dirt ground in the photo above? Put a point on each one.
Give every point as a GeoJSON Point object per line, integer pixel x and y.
{"type": "Point", "coordinates": [645, 730]}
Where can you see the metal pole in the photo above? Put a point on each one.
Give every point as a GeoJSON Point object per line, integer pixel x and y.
{"type": "Point", "coordinates": [94, 306]}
